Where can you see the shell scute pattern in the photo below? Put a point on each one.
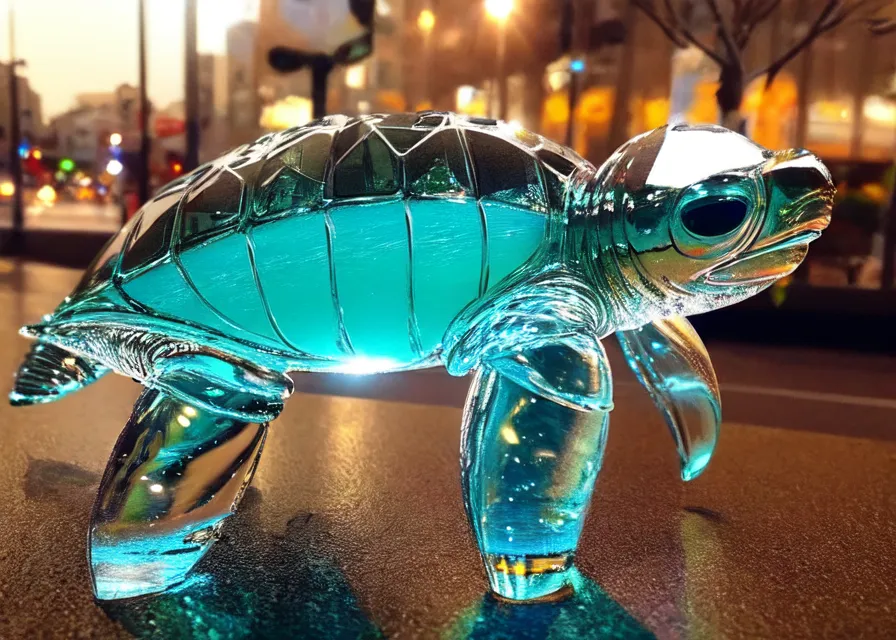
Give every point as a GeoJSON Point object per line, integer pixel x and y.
{"type": "Point", "coordinates": [303, 169]}
{"type": "Point", "coordinates": [322, 168]}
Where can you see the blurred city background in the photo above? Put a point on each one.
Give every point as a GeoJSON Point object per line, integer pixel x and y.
{"type": "Point", "coordinates": [91, 146]}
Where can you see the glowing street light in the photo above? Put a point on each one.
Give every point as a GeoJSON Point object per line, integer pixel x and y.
{"type": "Point", "coordinates": [426, 21]}
{"type": "Point", "coordinates": [114, 167]}
{"type": "Point", "coordinates": [355, 76]}
{"type": "Point", "coordinates": [499, 10]}
{"type": "Point", "coordinates": [115, 139]}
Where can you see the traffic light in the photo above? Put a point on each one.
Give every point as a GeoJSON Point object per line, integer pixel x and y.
{"type": "Point", "coordinates": [304, 32]}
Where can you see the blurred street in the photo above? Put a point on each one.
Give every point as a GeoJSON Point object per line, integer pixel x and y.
{"type": "Point", "coordinates": [67, 216]}
{"type": "Point", "coordinates": [354, 523]}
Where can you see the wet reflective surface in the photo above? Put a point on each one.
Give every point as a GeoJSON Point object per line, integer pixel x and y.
{"type": "Point", "coordinates": [354, 524]}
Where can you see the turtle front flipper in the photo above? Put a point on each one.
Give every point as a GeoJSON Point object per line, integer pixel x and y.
{"type": "Point", "coordinates": [534, 431]}
{"type": "Point", "coordinates": [669, 359]}
{"type": "Point", "coordinates": [50, 372]}
{"type": "Point", "coordinates": [177, 471]}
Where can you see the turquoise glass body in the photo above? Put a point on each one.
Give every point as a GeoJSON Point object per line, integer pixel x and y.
{"type": "Point", "coordinates": [388, 243]}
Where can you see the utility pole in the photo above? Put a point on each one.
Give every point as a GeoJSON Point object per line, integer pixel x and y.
{"type": "Point", "coordinates": [143, 171]}
{"type": "Point", "coordinates": [17, 237]}
{"type": "Point", "coordinates": [191, 90]}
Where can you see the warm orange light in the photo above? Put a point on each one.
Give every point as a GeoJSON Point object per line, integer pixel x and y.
{"type": "Point", "coordinates": [499, 10]}
{"type": "Point", "coordinates": [356, 76]}
{"type": "Point", "coordinates": [37, 154]}
{"type": "Point", "coordinates": [426, 21]}
{"type": "Point", "coordinates": [7, 189]}
{"type": "Point", "coordinates": [390, 100]}
{"type": "Point", "coordinates": [177, 167]}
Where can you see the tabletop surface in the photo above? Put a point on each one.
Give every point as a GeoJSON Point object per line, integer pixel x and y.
{"type": "Point", "coordinates": [354, 525]}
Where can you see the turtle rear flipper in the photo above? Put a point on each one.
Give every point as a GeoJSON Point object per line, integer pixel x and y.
{"type": "Point", "coordinates": [179, 470]}
{"type": "Point", "coordinates": [50, 372]}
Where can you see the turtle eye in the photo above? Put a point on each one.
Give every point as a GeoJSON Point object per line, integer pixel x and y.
{"type": "Point", "coordinates": [710, 218]}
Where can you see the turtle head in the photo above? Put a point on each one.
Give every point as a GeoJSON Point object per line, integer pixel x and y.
{"type": "Point", "coordinates": [708, 217]}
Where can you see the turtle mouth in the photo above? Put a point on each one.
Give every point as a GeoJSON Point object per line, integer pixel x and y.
{"type": "Point", "coordinates": [772, 258]}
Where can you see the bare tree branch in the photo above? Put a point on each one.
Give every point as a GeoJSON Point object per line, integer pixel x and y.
{"type": "Point", "coordinates": [751, 20]}
{"type": "Point", "coordinates": [725, 32]}
{"type": "Point", "coordinates": [667, 29]}
{"type": "Point", "coordinates": [677, 32]}
{"type": "Point", "coordinates": [816, 29]}
{"type": "Point", "coordinates": [857, 9]}
{"type": "Point", "coordinates": [881, 26]}
{"type": "Point", "coordinates": [763, 12]}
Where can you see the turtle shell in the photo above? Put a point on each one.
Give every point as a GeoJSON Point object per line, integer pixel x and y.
{"type": "Point", "coordinates": [327, 164]}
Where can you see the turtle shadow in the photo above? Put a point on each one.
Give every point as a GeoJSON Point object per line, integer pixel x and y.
{"type": "Point", "coordinates": [54, 480]}
{"type": "Point", "coordinates": [588, 613]}
{"type": "Point", "coordinates": [254, 583]}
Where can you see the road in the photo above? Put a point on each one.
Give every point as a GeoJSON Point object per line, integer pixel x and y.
{"type": "Point", "coordinates": [354, 525]}
{"type": "Point", "coordinates": [69, 216]}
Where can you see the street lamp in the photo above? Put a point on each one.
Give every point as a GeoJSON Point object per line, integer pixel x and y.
{"type": "Point", "coordinates": [499, 11]}
{"type": "Point", "coordinates": [426, 22]}
{"type": "Point", "coordinates": [114, 167]}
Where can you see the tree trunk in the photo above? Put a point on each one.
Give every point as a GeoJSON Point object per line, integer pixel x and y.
{"type": "Point", "coordinates": [729, 96]}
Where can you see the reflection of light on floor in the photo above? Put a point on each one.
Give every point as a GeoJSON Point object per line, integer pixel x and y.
{"type": "Point", "coordinates": [704, 574]}
{"type": "Point", "coordinates": [346, 453]}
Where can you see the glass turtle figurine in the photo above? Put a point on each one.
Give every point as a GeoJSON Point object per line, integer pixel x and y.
{"type": "Point", "coordinates": [387, 243]}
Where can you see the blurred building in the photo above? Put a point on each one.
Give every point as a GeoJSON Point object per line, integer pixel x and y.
{"type": "Point", "coordinates": [82, 133]}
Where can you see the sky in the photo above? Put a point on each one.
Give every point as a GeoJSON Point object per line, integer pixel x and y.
{"type": "Point", "coordinates": [83, 46]}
